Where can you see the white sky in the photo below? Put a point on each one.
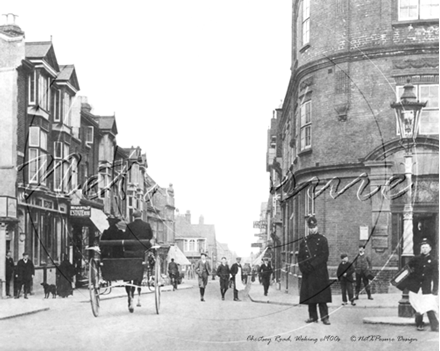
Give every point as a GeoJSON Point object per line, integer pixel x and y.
{"type": "Point", "coordinates": [192, 82]}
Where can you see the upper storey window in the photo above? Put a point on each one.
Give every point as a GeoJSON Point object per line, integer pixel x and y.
{"type": "Point", "coordinates": [417, 9]}
{"type": "Point", "coordinates": [306, 125]}
{"type": "Point", "coordinates": [32, 79]}
{"type": "Point", "coordinates": [305, 22]}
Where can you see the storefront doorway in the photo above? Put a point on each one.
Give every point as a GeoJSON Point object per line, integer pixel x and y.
{"type": "Point", "coordinates": [425, 226]}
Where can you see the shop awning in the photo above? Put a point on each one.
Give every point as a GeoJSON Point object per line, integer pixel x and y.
{"type": "Point", "coordinates": [178, 255]}
{"type": "Point", "coordinates": [99, 219]}
{"type": "Point", "coordinates": [259, 258]}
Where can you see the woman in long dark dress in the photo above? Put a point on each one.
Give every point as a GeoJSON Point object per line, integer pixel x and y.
{"type": "Point", "coordinates": [65, 273]}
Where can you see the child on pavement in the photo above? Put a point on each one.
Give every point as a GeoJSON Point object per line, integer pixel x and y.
{"type": "Point", "coordinates": [345, 276]}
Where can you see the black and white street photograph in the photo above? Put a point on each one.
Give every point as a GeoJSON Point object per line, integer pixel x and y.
{"type": "Point", "coordinates": [229, 175]}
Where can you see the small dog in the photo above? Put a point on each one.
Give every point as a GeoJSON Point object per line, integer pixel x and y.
{"type": "Point", "coordinates": [49, 289]}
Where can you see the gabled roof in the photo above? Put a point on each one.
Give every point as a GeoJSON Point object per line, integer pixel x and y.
{"type": "Point", "coordinates": [42, 50]}
{"type": "Point", "coordinates": [68, 74]}
{"type": "Point", "coordinates": [184, 229]}
{"type": "Point", "coordinates": [107, 123]}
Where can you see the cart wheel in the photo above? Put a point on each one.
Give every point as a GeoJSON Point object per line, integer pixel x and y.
{"type": "Point", "coordinates": [157, 284]}
{"type": "Point", "coordinates": [94, 286]}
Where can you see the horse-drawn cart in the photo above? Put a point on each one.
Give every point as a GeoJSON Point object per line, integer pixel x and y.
{"type": "Point", "coordinates": [135, 272]}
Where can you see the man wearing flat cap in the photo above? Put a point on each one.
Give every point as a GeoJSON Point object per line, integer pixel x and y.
{"type": "Point", "coordinates": [312, 260]}
{"type": "Point", "coordinates": [237, 278]}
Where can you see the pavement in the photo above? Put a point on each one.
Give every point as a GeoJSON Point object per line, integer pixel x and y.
{"type": "Point", "coordinates": [386, 304]}
{"type": "Point", "coordinates": [11, 308]}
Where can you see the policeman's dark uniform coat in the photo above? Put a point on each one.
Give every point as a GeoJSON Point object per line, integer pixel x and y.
{"type": "Point", "coordinates": [315, 287]}
{"type": "Point", "coordinates": [312, 258]}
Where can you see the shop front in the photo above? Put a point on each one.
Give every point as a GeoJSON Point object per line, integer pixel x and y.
{"type": "Point", "coordinates": [87, 223]}
{"type": "Point", "coordinates": [42, 232]}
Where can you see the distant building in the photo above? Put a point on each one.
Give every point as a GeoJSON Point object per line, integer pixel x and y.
{"type": "Point", "coordinates": [193, 239]}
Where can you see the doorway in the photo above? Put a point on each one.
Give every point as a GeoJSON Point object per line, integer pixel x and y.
{"type": "Point", "coordinates": [425, 226]}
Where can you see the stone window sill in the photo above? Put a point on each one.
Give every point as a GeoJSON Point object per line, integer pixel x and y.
{"type": "Point", "coordinates": [417, 22]}
{"type": "Point", "coordinates": [304, 48]}
{"type": "Point", "coordinates": [305, 152]}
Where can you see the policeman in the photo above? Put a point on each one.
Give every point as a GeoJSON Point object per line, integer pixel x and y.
{"type": "Point", "coordinates": [312, 260]}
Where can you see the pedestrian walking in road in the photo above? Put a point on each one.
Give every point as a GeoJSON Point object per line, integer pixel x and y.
{"type": "Point", "coordinates": [65, 273]}
{"type": "Point", "coordinates": [266, 273]}
{"type": "Point", "coordinates": [24, 273]}
{"type": "Point", "coordinates": [362, 267]}
{"type": "Point", "coordinates": [345, 277]}
{"type": "Point", "coordinates": [223, 272]}
{"type": "Point", "coordinates": [423, 286]}
{"type": "Point", "coordinates": [9, 272]}
{"type": "Point", "coordinates": [237, 278]}
{"type": "Point", "coordinates": [203, 270]}
{"type": "Point", "coordinates": [315, 288]}
{"type": "Point", "coordinates": [173, 272]}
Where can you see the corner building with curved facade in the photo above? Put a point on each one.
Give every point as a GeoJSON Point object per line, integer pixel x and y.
{"type": "Point", "coordinates": [336, 130]}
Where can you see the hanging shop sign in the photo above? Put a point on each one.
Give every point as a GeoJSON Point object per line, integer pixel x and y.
{"type": "Point", "coordinates": [80, 211]}
{"type": "Point", "coordinates": [256, 244]}
{"type": "Point", "coordinates": [260, 224]}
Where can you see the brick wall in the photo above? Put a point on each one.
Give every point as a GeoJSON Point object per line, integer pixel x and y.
{"type": "Point", "coordinates": [351, 25]}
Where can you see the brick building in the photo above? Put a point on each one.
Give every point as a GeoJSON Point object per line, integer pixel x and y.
{"type": "Point", "coordinates": [335, 139]}
{"type": "Point", "coordinates": [61, 168]}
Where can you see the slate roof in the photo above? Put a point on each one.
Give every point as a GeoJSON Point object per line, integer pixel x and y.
{"type": "Point", "coordinates": [37, 49]}
{"type": "Point", "coordinates": [184, 229]}
{"type": "Point", "coordinates": [107, 123]}
{"type": "Point", "coordinates": [42, 50]}
{"type": "Point", "coordinates": [67, 73]}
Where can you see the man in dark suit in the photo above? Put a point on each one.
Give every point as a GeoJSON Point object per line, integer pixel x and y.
{"type": "Point", "coordinates": [266, 272]}
{"type": "Point", "coordinates": [345, 277]}
{"type": "Point", "coordinates": [173, 272]}
{"type": "Point", "coordinates": [423, 286]}
{"type": "Point", "coordinates": [312, 260]}
{"type": "Point", "coordinates": [138, 230]}
{"type": "Point", "coordinates": [223, 273]}
{"type": "Point", "coordinates": [9, 272]}
{"type": "Point", "coordinates": [112, 233]}
{"type": "Point", "coordinates": [237, 277]}
{"type": "Point", "coordinates": [362, 267]}
{"type": "Point", "coordinates": [25, 272]}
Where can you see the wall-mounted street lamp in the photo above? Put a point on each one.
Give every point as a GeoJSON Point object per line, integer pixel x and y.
{"type": "Point", "coordinates": [408, 119]}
